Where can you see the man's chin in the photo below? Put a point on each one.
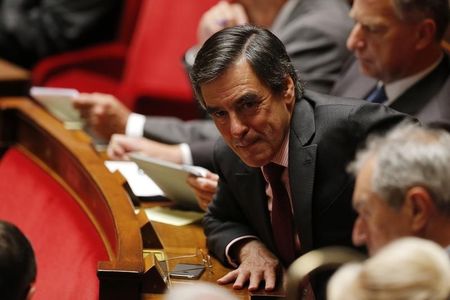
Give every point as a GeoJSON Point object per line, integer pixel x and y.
{"type": "Point", "coordinates": [366, 69]}
{"type": "Point", "coordinates": [253, 160]}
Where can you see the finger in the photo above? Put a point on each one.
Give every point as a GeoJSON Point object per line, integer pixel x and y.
{"type": "Point", "coordinates": [229, 277]}
{"type": "Point", "coordinates": [83, 100]}
{"type": "Point", "coordinates": [241, 280]}
{"type": "Point", "coordinates": [255, 279]}
{"type": "Point", "coordinates": [207, 185]}
{"type": "Point", "coordinates": [203, 205]}
{"type": "Point", "coordinates": [192, 181]}
{"type": "Point", "coordinates": [212, 176]}
{"type": "Point", "coordinates": [114, 152]}
{"type": "Point", "coordinates": [270, 277]}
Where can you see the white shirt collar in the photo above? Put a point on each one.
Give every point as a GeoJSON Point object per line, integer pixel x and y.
{"type": "Point", "coordinates": [396, 88]}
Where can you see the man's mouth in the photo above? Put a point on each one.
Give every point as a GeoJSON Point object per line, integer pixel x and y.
{"type": "Point", "coordinates": [244, 143]}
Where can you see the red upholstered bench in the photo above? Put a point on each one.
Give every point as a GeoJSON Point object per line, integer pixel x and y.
{"type": "Point", "coordinates": [67, 245]}
{"type": "Point", "coordinates": [146, 73]}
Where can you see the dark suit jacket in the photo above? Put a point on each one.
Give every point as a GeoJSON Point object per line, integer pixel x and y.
{"type": "Point", "coordinates": [325, 132]}
{"type": "Point", "coordinates": [428, 99]}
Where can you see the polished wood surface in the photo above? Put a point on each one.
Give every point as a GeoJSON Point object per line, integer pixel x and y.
{"type": "Point", "coordinates": [72, 161]}
{"type": "Point", "coordinates": [14, 80]}
{"type": "Point", "coordinates": [69, 157]}
{"type": "Point", "coordinates": [180, 241]}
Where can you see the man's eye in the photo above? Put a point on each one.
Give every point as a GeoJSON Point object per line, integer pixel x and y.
{"type": "Point", "coordinates": [249, 104]}
{"type": "Point", "coordinates": [372, 28]}
{"type": "Point", "coordinates": [219, 114]}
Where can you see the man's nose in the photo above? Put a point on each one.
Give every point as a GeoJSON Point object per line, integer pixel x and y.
{"type": "Point", "coordinates": [355, 39]}
{"type": "Point", "coordinates": [237, 126]}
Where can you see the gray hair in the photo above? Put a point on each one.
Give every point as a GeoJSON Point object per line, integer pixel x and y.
{"type": "Point", "coordinates": [408, 268]}
{"type": "Point", "coordinates": [199, 291]}
{"type": "Point", "coordinates": [409, 155]}
{"type": "Point", "coordinates": [416, 10]}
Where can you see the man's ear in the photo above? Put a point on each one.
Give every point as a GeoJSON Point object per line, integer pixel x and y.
{"type": "Point", "coordinates": [421, 207]}
{"type": "Point", "coordinates": [289, 92]}
{"type": "Point", "coordinates": [425, 33]}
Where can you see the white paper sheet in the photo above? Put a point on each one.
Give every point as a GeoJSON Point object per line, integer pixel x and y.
{"type": "Point", "coordinates": [140, 184]}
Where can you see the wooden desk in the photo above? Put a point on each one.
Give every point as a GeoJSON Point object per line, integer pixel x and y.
{"type": "Point", "coordinates": [185, 240]}
{"type": "Point", "coordinates": [71, 160]}
{"type": "Point", "coordinates": [14, 80]}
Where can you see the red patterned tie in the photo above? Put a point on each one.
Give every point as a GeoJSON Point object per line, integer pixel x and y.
{"type": "Point", "coordinates": [282, 219]}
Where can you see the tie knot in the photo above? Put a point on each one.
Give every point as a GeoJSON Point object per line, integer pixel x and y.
{"type": "Point", "coordinates": [378, 95]}
{"type": "Point", "coordinates": [273, 171]}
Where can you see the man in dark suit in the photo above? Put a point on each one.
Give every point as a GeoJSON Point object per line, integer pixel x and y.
{"type": "Point", "coordinates": [314, 32]}
{"type": "Point", "coordinates": [397, 44]}
{"type": "Point", "coordinates": [245, 80]}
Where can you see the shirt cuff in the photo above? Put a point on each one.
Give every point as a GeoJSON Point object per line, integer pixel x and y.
{"type": "Point", "coordinates": [135, 125]}
{"type": "Point", "coordinates": [232, 261]}
{"type": "Point", "coordinates": [186, 155]}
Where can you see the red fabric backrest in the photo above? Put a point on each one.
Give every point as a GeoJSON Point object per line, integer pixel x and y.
{"type": "Point", "coordinates": [129, 16]}
{"type": "Point", "coordinates": [66, 244]}
{"type": "Point", "coordinates": [165, 30]}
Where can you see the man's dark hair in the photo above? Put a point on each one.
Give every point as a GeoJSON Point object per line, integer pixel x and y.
{"type": "Point", "coordinates": [414, 10]}
{"type": "Point", "coordinates": [264, 52]}
{"type": "Point", "coordinates": [17, 263]}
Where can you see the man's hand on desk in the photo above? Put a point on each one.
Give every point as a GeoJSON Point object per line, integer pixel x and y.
{"type": "Point", "coordinates": [204, 188]}
{"type": "Point", "coordinates": [120, 145]}
{"type": "Point", "coordinates": [257, 264]}
{"type": "Point", "coordinates": [104, 113]}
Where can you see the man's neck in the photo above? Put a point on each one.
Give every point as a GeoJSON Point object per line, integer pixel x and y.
{"type": "Point", "coordinates": [423, 60]}
{"type": "Point", "coordinates": [439, 231]}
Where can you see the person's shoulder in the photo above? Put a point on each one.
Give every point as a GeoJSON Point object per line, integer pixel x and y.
{"type": "Point", "coordinates": [307, 11]}
{"type": "Point", "coordinates": [359, 115]}
{"type": "Point", "coordinates": [320, 99]}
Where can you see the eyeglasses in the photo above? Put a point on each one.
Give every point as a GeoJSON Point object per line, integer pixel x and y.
{"type": "Point", "coordinates": [162, 261]}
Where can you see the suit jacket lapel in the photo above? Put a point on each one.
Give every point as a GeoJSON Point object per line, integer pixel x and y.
{"type": "Point", "coordinates": [414, 99]}
{"type": "Point", "coordinates": [302, 160]}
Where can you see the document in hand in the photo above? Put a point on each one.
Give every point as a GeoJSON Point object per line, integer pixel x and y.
{"type": "Point", "coordinates": [58, 101]}
{"type": "Point", "coordinates": [171, 178]}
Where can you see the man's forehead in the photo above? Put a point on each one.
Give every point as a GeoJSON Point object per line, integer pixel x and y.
{"type": "Point", "coordinates": [360, 199]}
{"type": "Point", "coordinates": [372, 10]}
{"type": "Point", "coordinates": [239, 77]}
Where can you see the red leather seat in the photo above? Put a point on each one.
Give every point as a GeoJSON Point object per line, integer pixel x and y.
{"type": "Point", "coordinates": [100, 65]}
{"type": "Point", "coordinates": [150, 77]}
{"type": "Point", "coordinates": [66, 244]}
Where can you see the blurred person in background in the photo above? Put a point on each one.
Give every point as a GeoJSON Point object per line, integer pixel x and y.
{"type": "Point", "coordinates": [33, 29]}
{"type": "Point", "coordinates": [17, 264]}
{"type": "Point", "coordinates": [400, 60]}
{"type": "Point", "coordinates": [402, 187]}
{"type": "Point", "coordinates": [406, 269]}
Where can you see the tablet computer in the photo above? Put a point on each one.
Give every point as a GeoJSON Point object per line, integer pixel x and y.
{"type": "Point", "coordinates": [171, 178]}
